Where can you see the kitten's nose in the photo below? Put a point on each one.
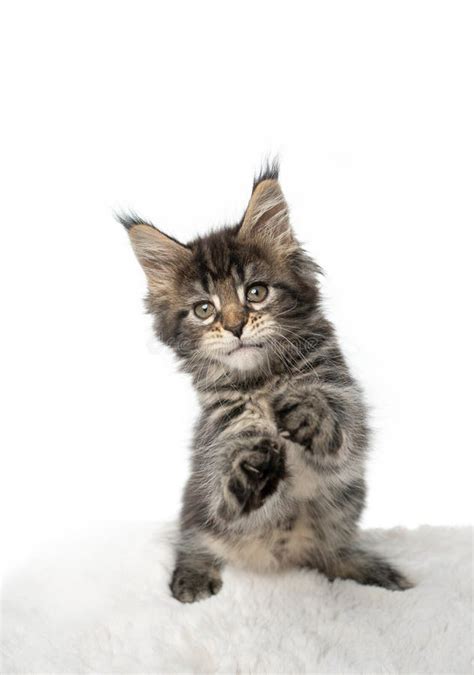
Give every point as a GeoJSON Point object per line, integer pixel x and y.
{"type": "Point", "coordinates": [236, 329]}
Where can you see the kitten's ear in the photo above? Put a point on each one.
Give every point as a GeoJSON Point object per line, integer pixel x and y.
{"type": "Point", "coordinates": [160, 256]}
{"type": "Point", "coordinates": [266, 220]}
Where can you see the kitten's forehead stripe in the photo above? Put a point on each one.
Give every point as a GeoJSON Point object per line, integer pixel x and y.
{"type": "Point", "coordinates": [219, 258]}
{"type": "Point", "coordinates": [201, 265]}
{"type": "Point", "coordinates": [217, 255]}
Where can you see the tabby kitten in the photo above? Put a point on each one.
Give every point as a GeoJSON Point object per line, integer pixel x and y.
{"type": "Point", "coordinates": [277, 476]}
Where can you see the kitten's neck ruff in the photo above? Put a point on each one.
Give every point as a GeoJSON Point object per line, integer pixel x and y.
{"type": "Point", "coordinates": [215, 376]}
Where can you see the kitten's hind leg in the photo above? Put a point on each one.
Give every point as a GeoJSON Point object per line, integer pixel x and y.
{"type": "Point", "coordinates": [366, 568]}
{"type": "Point", "coordinates": [197, 571]}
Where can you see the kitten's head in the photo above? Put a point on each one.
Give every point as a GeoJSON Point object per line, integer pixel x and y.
{"type": "Point", "coordinates": [239, 297]}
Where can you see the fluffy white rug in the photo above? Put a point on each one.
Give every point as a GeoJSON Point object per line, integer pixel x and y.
{"type": "Point", "coordinates": [100, 604]}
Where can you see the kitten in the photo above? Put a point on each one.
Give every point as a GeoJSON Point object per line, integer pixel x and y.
{"type": "Point", "coordinates": [277, 477]}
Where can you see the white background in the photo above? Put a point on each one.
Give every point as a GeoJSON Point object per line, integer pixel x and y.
{"type": "Point", "coordinates": [169, 108]}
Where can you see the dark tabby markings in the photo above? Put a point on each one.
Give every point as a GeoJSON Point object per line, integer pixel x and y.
{"type": "Point", "coordinates": [229, 415]}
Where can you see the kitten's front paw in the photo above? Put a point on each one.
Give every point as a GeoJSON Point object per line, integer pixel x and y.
{"type": "Point", "coordinates": [188, 585]}
{"type": "Point", "coordinates": [256, 473]}
{"type": "Point", "coordinates": [310, 425]}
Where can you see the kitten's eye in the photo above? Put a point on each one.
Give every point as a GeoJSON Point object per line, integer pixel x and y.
{"type": "Point", "coordinates": [257, 293]}
{"type": "Point", "coordinates": [203, 310]}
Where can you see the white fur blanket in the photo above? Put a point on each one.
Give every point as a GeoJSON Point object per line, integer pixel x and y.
{"type": "Point", "coordinates": [100, 604]}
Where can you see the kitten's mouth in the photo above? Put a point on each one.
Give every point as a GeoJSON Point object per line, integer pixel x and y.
{"type": "Point", "coordinates": [244, 346]}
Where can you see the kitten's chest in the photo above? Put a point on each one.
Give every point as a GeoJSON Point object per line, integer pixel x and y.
{"type": "Point", "coordinates": [262, 401]}
{"type": "Point", "coordinates": [259, 404]}
{"type": "Point", "coordinates": [254, 408]}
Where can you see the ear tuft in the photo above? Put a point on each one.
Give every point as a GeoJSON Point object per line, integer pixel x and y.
{"type": "Point", "coordinates": [128, 220]}
{"type": "Point", "coordinates": [269, 171]}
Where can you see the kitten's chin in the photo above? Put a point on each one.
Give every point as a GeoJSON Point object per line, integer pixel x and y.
{"type": "Point", "coordinates": [245, 359]}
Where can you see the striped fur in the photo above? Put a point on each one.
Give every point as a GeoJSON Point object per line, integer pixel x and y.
{"type": "Point", "coordinates": [277, 475]}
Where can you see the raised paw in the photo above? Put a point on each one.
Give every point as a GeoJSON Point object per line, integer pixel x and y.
{"type": "Point", "coordinates": [188, 585]}
{"type": "Point", "coordinates": [256, 473]}
{"type": "Point", "coordinates": [310, 424]}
